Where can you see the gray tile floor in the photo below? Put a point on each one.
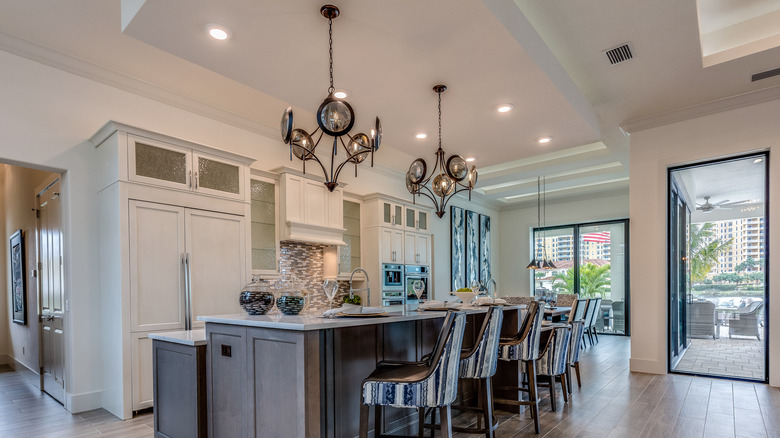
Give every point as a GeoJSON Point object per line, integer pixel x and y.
{"type": "Point", "coordinates": [741, 356]}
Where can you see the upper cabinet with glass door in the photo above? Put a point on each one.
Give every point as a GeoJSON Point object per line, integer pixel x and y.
{"type": "Point", "coordinates": [349, 255]}
{"type": "Point", "coordinates": [392, 214]}
{"type": "Point", "coordinates": [265, 241]}
{"type": "Point", "coordinates": [415, 219]}
{"type": "Point", "coordinates": [179, 167]}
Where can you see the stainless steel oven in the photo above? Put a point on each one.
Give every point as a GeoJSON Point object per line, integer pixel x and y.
{"type": "Point", "coordinates": [393, 285]}
{"type": "Point", "coordinates": [412, 273]}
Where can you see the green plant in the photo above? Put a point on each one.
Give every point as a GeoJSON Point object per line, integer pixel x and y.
{"type": "Point", "coordinates": [354, 300]}
{"type": "Point", "coordinates": [704, 250]}
{"type": "Point", "coordinates": [594, 280]}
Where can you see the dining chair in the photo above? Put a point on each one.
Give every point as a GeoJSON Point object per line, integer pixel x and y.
{"type": "Point", "coordinates": [577, 335]}
{"type": "Point", "coordinates": [432, 382]}
{"type": "Point", "coordinates": [590, 310]}
{"type": "Point", "coordinates": [591, 324]}
{"type": "Point", "coordinates": [524, 347]}
{"type": "Point", "coordinates": [554, 360]}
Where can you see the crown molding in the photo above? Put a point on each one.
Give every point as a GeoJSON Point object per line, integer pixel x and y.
{"type": "Point", "coordinates": [86, 69]}
{"type": "Point", "coordinates": [703, 109]}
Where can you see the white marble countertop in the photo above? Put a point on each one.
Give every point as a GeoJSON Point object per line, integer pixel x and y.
{"type": "Point", "coordinates": [317, 322]}
{"type": "Point", "coordinates": [186, 337]}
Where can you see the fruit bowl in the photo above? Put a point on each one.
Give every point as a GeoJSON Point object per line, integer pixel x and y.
{"type": "Point", "coordinates": [466, 297]}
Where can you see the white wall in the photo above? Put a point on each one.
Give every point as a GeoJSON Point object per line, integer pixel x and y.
{"type": "Point", "coordinates": [652, 152]}
{"type": "Point", "coordinates": [45, 117]}
{"type": "Point", "coordinates": [515, 231]}
{"type": "Point", "coordinates": [17, 195]}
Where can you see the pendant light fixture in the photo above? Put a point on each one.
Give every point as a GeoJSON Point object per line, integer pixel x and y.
{"type": "Point", "coordinates": [541, 212]}
{"type": "Point", "coordinates": [447, 178]}
{"type": "Point", "coordinates": [335, 118]}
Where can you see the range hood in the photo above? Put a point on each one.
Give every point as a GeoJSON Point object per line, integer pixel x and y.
{"type": "Point", "coordinates": [309, 212]}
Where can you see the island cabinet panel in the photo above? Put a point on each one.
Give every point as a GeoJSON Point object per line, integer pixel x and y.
{"type": "Point", "coordinates": [179, 390]}
{"type": "Point", "coordinates": [227, 382]}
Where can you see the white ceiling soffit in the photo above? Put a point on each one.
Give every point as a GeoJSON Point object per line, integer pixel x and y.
{"type": "Point", "coordinates": [388, 55]}
{"type": "Point", "coordinates": [553, 192]}
{"type": "Point", "coordinates": [731, 29]}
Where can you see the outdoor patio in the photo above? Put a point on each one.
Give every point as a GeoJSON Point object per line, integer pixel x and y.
{"type": "Point", "coordinates": [741, 356]}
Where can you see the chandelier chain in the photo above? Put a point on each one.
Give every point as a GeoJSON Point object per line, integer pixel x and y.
{"type": "Point", "coordinates": [439, 120]}
{"type": "Point", "coordinates": [330, 53]}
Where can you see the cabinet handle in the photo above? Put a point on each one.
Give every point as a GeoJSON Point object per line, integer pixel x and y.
{"type": "Point", "coordinates": [196, 180]}
{"type": "Point", "coordinates": [189, 178]}
{"type": "Point", "coordinates": [187, 293]}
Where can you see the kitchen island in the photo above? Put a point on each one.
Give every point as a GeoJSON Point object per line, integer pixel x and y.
{"type": "Point", "coordinates": [300, 376]}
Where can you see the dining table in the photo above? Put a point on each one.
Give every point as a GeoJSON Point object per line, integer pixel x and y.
{"type": "Point", "coordinates": [556, 314]}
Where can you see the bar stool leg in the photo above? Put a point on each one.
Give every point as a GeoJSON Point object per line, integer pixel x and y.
{"type": "Point", "coordinates": [363, 421]}
{"type": "Point", "coordinates": [378, 420]}
{"type": "Point", "coordinates": [577, 371]}
{"type": "Point", "coordinates": [564, 381]}
{"type": "Point", "coordinates": [420, 422]}
{"type": "Point", "coordinates": [552, 392]}
{"type": "Point", "coordinates": [446, 421]}
{"type": "Point", "coordinates": [568, 377]}
{"type": "Point", "coordinates": [487, 407]}
{"type": "Point", "coordinates": [531, 373]}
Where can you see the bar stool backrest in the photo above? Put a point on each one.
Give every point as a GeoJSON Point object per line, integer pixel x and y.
{"type": "Point", "coordinates": [443, 383]}
{"type": "Point", "coordinates": [480, 362]}
{"type": "Point", "coordinates": [596, 312]}
{"type": "Point", "coordinates": [590, 312]}
{"type": "Point", "coordinates": [525, 344]}
{"type": "Point", "coordinates": [578, 312]}
{"type": "Point", "coordinates": [577, 334]}
{"type": "Point", "coordinates": [556, 357]}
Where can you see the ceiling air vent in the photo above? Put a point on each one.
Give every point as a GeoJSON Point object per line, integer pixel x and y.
{"type": "Point", "coordinates": [765, 74]}
{"type": "Point", "coordinates": [619, 54]}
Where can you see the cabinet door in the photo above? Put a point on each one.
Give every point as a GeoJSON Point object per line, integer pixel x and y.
{"type": "Point", "coordinates": [156, 270]}
{"type": "Point", "coordinates": [392, 214]}
{"type": "Point", "coordinates": [386, 245]}
{"type": "Point", "coordinates": [158, 163]}
{"type": "Point", "coordinates": [217, 176]}
{"type": "Point", "coordinates": [410, 218]}
{"type": "Point", "coordinates": [422, 220]}
{"type": "Point", "coordinates": [398, 246]}
{"type": "Point", "coordinates": [410, 248]}
{"type": "Point", "coordinates": [315, 203]}
{"type": "Point", "coordinates": [423, 249]}
{"type": "Point", "coordinates": [216, 244]}
{"type": "Point", "coordinates": [265, 243]}
{"type": "Point", "coordinates": [142, 380]}
{"type": "Point", "coordinates": [349, 255]}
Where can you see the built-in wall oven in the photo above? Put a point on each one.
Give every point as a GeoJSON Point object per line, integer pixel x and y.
{"type": "Point", "coordinates": [393, 285]}
{"type": "Point", "coordinates": [412, 273]}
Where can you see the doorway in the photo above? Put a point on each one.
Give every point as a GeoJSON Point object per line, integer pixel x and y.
{"type": "Point", "coordinates": [717, 281]}
{"type": "Point", "coordinates": [50, 287]}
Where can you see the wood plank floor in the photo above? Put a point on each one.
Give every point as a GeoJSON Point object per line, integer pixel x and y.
{"type": "Point", "coordinates": [613, 402]}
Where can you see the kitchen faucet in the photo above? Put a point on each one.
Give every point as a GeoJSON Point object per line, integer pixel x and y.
{"type": "Point", "coordinates": [367, 288]}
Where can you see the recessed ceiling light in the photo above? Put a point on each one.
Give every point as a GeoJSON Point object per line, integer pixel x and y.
{"type": "Point", "coordinates": [218, 32]}
{"type": "Point", "coordinates": [758, 160]}
{"type": "Point", "coordinates": [505, 108]}
{"type": "Point", "coordinates": [421, 135]}
{"type": "Point", "coordinates": [544, 140]}
{"type": "Point", "coordinates": [470, 159]}
{"type": "Point", "coordinates": [340, 94]}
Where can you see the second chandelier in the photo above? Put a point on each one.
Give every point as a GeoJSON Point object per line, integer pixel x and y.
{"type": "Point", "coordinates": [448, 177]}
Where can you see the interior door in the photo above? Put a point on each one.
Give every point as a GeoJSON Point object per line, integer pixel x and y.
{"type": "Point", "coordinates": [51, 299]}
{"type": "Point", "coordinates": [216, 248]}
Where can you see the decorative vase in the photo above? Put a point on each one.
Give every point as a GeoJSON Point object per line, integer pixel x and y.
{"type": "Point", "coordinates": [255, 299]}
{"type": "Point", "coordinates": [291, 303]}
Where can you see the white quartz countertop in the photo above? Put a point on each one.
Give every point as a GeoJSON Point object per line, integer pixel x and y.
{"type": "Point", "coordinates": [186, 337]}
{"type": "Point", "coordinates": [317, 322]}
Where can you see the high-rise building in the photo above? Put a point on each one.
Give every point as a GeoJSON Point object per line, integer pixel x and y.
{"type": "Point", "coordinates": [747, 241]}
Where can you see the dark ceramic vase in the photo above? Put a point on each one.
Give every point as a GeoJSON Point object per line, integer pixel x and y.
{"type": "Point", "coordinates": [256, 302]}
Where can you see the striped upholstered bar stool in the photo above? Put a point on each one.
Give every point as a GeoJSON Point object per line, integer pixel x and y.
{"type": "Point", "coordinates": [577, 335]}
{"type": "Point", "coordinates": [524, 346]}
{"type": "Point", "coordinates": [432, 382]}
{"type": "Point", "coordinates": [554, 359]}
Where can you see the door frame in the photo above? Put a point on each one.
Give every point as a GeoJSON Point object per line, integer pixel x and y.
{"type": "Point", "coordinates": [765, 155]}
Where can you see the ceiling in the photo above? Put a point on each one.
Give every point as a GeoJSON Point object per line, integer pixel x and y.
{"type": "Point", "coordinates": [544, 57]}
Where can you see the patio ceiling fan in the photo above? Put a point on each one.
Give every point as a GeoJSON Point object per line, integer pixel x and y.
{"type": "Point", "coordinates": [707, 206]}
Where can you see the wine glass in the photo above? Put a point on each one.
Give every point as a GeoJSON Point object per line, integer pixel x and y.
{"type": "Point", "coordinates": [475, 288]}
{"type": "Point", "coordinates": [330, 287]}
{"type": "Point", "coordinates": [418, 286]}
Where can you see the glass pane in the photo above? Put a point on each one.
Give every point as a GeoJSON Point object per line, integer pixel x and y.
{"type": "Point", "coordinates": [216, 175]}
{"type": "Point", "coordinates": [263, 225]}
{"type": "Point", "coordinates": [556, 246]}
{"type": "Point", "coordinates": [423, 224]}
{"type": "Point", "coordinates": [410, 218]}
{"type": "Point", "coordinates": [603, 273]}
{"type": "Point", "coordinates": [387, 213]}
{"type": "Point", "coordinates": [398, 215]}
{"type": "Point", "coordinates": [159, 163]}
{"type": "Point", "coordinates": [349, 257]}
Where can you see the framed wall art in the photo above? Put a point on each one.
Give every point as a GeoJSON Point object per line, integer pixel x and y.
{"type": "Point", "coordinates": [18, 286]}
{"type": "Point", "coordinates": [458, 237]}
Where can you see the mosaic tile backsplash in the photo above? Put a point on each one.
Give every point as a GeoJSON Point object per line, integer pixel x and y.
{"type": "Point", "coordinates": [303, 263]}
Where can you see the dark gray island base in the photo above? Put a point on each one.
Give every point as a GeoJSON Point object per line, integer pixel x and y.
{"type": "Point", "coordinates": [300, 376]}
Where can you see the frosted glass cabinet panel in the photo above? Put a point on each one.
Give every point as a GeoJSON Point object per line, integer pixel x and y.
{"type": "Point", "coordinates": [264, 240]}
{"type": "Point", "coordinates": [349, 255]}
{"type": "Point", "coordinates": [217, 175]}
{"type": "Point", "coordinates": [159, 163]}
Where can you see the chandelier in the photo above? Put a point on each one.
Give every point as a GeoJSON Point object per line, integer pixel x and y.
{"type": "Point", "coordinates": [448, 177]}
{"type": "Point", "coordinates": [335, 118]}
{"type": "Point", "coordinates": [541, 212]}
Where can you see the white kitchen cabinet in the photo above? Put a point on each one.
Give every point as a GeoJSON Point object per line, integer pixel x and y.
{"type": "Point", "coordinates": [349, 254]}
{"type": "Point", "coordinates": [310, 212]}
{"type": "Point", "coordinates": [172, 248]}
{"type": "Point", "coordinates": [415, 219]}
{"type": "Point", "coordinates": [391, 214]}
{"type": "Point", "coordinates": [264, 195]}
{"type": "Point", "coordinates": [391, 245]}
{"type": "Point", "coordinates": [416, 248]}
{"type": "Point", "coordinates": [179, 167]}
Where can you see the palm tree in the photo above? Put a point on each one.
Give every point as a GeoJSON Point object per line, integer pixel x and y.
{"type": "Point", "coordinates": [704, 250]}
{"type": "Point", "coordinates": [594, 280]}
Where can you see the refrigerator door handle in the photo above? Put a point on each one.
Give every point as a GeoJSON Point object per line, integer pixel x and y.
{"type": "Point", "coordinates": [187, 293]}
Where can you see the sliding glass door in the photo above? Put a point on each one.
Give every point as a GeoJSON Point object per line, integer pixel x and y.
{"type": "Point", "coordinates": [590, 259]}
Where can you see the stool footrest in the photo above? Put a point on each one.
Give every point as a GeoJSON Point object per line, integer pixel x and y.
{"type": "Point", "coordinates": [503, 401]}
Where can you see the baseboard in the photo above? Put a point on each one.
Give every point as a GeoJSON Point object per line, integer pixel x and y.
{"type": "Point", "coordinates": [86, 401]}
{"type": "Point", "coordinates": [6, 359]}
{"type": "Point", "coordinates": [30, 375]}
{"type": "Point", "coordinates": [647, 366]}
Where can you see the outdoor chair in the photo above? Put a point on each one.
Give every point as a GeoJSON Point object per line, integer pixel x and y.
{"type": "Point", "coordinates": [746, 324]}
{"type": "Point", "coordinates": [603, 314]}
{"type": "Point", "coordinates": [703, 320]}
{"type": "Point", "coordinates": [619, 317]}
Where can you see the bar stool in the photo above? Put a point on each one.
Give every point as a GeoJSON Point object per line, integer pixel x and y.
{"type": "Point", "coordinates": [577, 335]}
{"type": "Point", "coordinates": [590, 313]}
{"type": "Point", "coordinates": [479, 362]}
{"type": "Point", "coordinates": [524, 346]}
{"type": "Point", "coordinates": [554, 360]}
{"type": "Point", "coordinates": [432, 382]}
